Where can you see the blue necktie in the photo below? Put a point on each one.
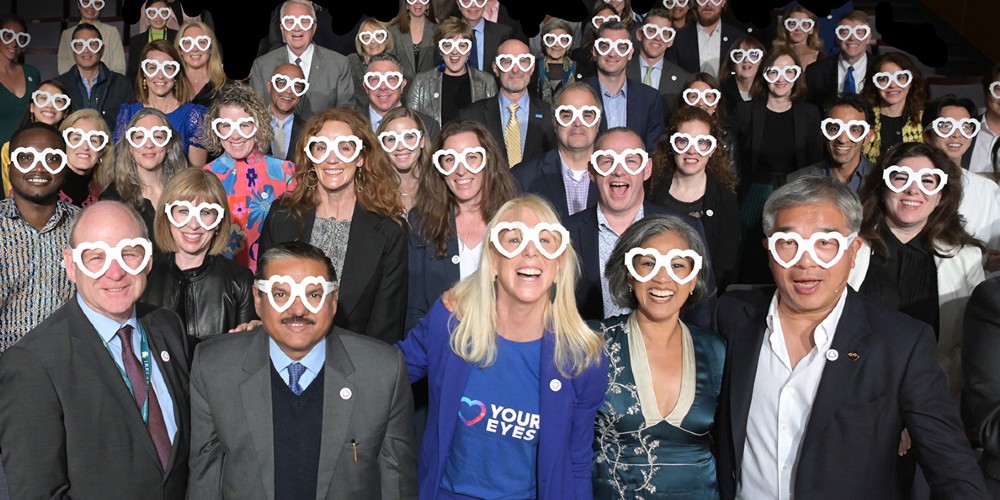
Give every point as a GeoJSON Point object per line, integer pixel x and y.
{"type": "Point", "coordinates": [295, 371]}
{"type": "Point", "coordinates": [849, 86]}
{"type": "Point", "coordinates": [474, 54]}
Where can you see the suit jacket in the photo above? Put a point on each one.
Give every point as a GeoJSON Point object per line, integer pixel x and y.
{"type": "Point", "coordinates": [543, 176]}
{"type": "Point", "coordinates": [402, 44]}
{"type": "Point", "coordinates": [750, 118]}
{"type": "Point", "coordinates": [371, 297]}
{"type": "Point", "coordinates": [643, 110]}
{"type": "Point", "coordinates": [135, 45]}
{"type": "Point", "coordinates": [232, 452]}
{"type": "Point", "coordinates": [540, 138]}
{"type": "Point", "coordinates": [429, 275]}
{"type": "Point", "coordinates": [565, 453]}
{"type": "Point", "coordinates": [584, 234]}
{"type": "Point", "coordinates": [861, 406]}
{"type": "Point", "coordinates": [425, 91]}
{"type": "Point", "coordinates": [494, 34]}
{"type": "Point", "coordinates": [822, 82]}
{"type": "Point", "coordinates": [69, 427]}
{"type": "Point", "coordinates": [672, 78]}
{"type": "Point", "coordinates": [330, 79]}
{"type": "Point", "coordinates": [433, 129]}
{"type": "Point", "coordinates": [108, 95]}
{"type": "Point", "coordinates": [684, 52]}
{"type": "Point", "coordinates": [981, 394]}
{"type": "Point", "coordinates": [297, 125]}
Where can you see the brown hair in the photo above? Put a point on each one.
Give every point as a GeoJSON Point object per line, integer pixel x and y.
{"type": "Point", "coordinates": [727, 70]}
{"type": "Point", "coordinates": [436, 205]}
{"type": "Point", "coordinates": [452, 27]}
{"type": "Point", "coordinates": [813, 41]}
{"type": "Point", "coordinates": [760, 86]}
{"type": "Point", "coordinates": [192, 184]}
{"type": "Point", "coordinates": [402, 20]}
{"type": "Point", "coordinates": [404, 112]}
{"type": "Point", "coordinates": [721, 106]}
{"type": "Point", "coordinates": [181, 90]}
{"type": "Point", "coordinates": [719, 165]}
{"type": "Point", "coordinates": [375, 184]}
{"type": "Point", "coordinates": [916, 97]}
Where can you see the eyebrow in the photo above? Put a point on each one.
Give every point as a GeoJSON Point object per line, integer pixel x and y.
{"type": "Point", "coordinates": [790, 229]}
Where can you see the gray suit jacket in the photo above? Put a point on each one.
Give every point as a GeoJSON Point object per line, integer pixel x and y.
{"type": "Point", "coordinates": [366, 399]}
{"type": "Point", "coordinates": [672, 78]}
{"type": "Point", "coordinates": [402, 44]}
{"type": "Point", "coordinates": [330, 80]}
{"type": "Point", "coordinates": [425, 91]}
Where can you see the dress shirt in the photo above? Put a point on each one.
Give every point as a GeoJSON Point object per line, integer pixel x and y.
{"type": "Point", "coordinates": [577, 185]}
{"type": "Point", "coordinates": [480, 33]}
{"type": "Point", "coordinates": [982, 148]}
{"type": "Point", "coordinates": [654, 77]}
{"type": "Point", "coordinates": [107, 329]}
{"type": "Point", "coordinates": [313, 361]}
{"type": "Point", "coordinates": [88, 86]}
{"type": "Point", "coordinates": [374, 118]}
{"type": "Point", "coordinates": [709, 46]}
{"type": "Point", "coordinates": [307, 59]}
{"type": "Point", "coordinates": [606, 240]}
{"type": "Point", "coordinates": [522, 115]}
{"type": "Point", "coordinates": [286, 127]}
{"type": "Point", "coordinates": [615, 106]}
{"type": "Point", "coordinates": [860, 70]}
{"type": "Point", "coordinates": [781, 405]}
{"type": "Point", "coordinates": [864, 166]}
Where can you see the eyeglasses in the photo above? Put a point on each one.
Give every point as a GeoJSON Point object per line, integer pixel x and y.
{"type": "Point", "coordinates": [304, 23]}
{"type": "Point", "coordinates": [448, 45]}
{"type": "Point", "coordinates": [346, 148]}
{"type": "Point", "coordinates": [669, 4]}
{"type": "Point", "coordinates": [447, 161]}
{"type": "Point", "coordinates": [25, 159]}
{"type": "Point", "coordinates": [995, 90]}
{"type": "Point", "coordinates": [95, 4]}
{"type": "Point", "coordinates": [506, 62]}
{"type": "Point", "coordinates": [682, 143]}
{"type": "Point", "coordinates": [162, 13]}
{"type": "Point", "coordinates": [79, 45]}
{"type": "Point", "coordinates": [282, 82]}
{"type": "Point", "coordinates": [150, 67]}
{"type": "Point", "coordinates": [208, 215]}
{"type": "Point", "coordinates": [946, 127]}
{"type": "Point", "coordinates": [588, 115]}
{"type": "Point", "coordinates": [468, 4]}
{"type": "Point", "coordinates": [42, 98]}
{"type": "Point", "coordinates": [378, 36]}
{"type": "Point", "coordinates": [882, 79]}
{"type": "Point", "coordinates": [421, 2]}
{"type": "Point", "coordinates": [563, 40]}
{"type": "Point", "coordinates": [281, 291]}
{"type": "Point", "coordinates": [189, 43]}
{"type": "Point", "coordinates": [753, 56]}
{"type": "Point", "coordinates": [825, 249]}
{"type": "Point", "coordinates": [681, 265]}
{"type": "Point", "coordinates": [9, 36]}
{"type": "Point", "coordinates": [597, 21]}
{"type": "Point", "coordinates": [391, 141]}
{"type": "Point", "coordinates": [708, 96]}
{"type": "Point", "coordinates": [790, 73]}
{"type": "Point", "coordinates": [806, 25]}
{"type": "Point", "coordinates": [603, 46]}
{"type": "Point", "coordinates": [930, 181]}
{"type": "Point", "coordinates": [94, 258]}
{"type": "Point", "coordinates": [665, 33]}
{"type": "Point", "coordinates": [224, 128]}
{"type": "Point", "coordinates": [715, 3]}
{"type": "Point", "coordinates": [76, 137]}
{"type": "Point", "coordinates": [856, 130]}
{"type": "Point", "coordinates": [159, 135]}
{"type": "Point", "coordinates": [845, 31]}
{"type": "Point", "coordinates": [631, 160]}
{"type": "Point", "coordinates": [511, 238]}
{"type": "Point", "coordinates": [392, 79]}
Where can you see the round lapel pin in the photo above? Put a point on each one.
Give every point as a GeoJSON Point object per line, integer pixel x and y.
{"type": "Point", "coordinates": [165, 356]}
{"type": "Point", "coordinates": [555, 385]}
{"type": "Point", "coordinates": [345, 393]}
{"type": "Point", "coordinates": [832, 355]}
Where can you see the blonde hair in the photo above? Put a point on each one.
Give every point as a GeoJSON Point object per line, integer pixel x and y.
{"type": "Point", "coordinates": [374, 24]}
{"type": "Point", "coordinates": [103, 168]}
{"type": "Point", "coordinates": [577, 347]}
{"type": "Point", "coordinates": [813, 41]}
{"type": "Point", "coordinates": [192, 184]}
{"type": "Point", "coordinates": [215, 72]}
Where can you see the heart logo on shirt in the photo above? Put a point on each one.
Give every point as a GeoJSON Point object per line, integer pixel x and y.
{"type": "Point", "coordinates": [473, 419]}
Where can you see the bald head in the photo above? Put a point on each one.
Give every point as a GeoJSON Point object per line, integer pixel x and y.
{"type": "Point", "coordinates": [107, 213]}
{"type": "Point", "coordinates": [290, 70]}
{"type": "Point", "coordinates": [283, 98]}
{"type": "Point", "coordinates": [513, 66]}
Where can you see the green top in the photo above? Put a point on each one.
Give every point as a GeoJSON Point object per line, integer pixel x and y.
{"type": "Point", "coordinates": [12, 107]}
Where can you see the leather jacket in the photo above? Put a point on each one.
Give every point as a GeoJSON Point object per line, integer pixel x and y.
{"type": "Point", "coordinates": [211, 299]}
{"type": "Point", "coordinates": [425, 92]}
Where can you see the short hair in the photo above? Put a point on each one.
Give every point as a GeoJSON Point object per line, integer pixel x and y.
{"type": "Point", "coordinates": [294, 249]}
{"type": "Point", "coordinates": [240, 95]}
{"type": "Point", "coordinates": [855, 101]}
{"type": "Point", "coordinates": [658, 12]}
{"type": "Point", "coordinates": [640, 231]}
{"type": "Point", "coordinates": [759, 87]}
{"type": "Point", "coordinates": [855, 15]}
{"type": "Point", "coordinates": [451, 27]}
{"type": "Point", "coordinates": [383, 57]}
{"type": "Point", "coordinates": [379, 25]}
{"type": "Point", "coordinates": [582, 86]}
{"type": "Point", "coordinates": [36, 126]}
{"type": "Point", "coordinates": [557, 24]}
{"type": "Point", "coordinates": [307, 3]}
{"type": "Point", "coordinates": [143, 230]}
{"type": "Point", "coordinates": [87, 26]}
{"type": "Point", "coordinates": [621, 130]}
{"type": "Point", "coordinates": [809, 190]}
{"type": "Point", "coordinates": [192, 184]}
{"type": "Point", "coordinates": [612, 26]}
{"type": "Point", "coordinates": [990, 77]}
{"type": "Point", "coordinates": [933, 109]}
{"type": "Point", "coordinates": [14, 18]}
{"type": "Point", "coordinates": [182, 91]}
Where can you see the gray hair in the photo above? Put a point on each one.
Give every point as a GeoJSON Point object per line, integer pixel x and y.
{"type": "Point", "coordinates": [385, 56]}
{"type": "Point", "coordinates": [809, 190]}
{"type": "Point", "coordinates": [557, 24]}
{"type": "Point", "coordinates": [639, 232]}
{"type": "Point", "coordinates": [307, 3]}
{"type": "Point", "coordinates": [124, 172]}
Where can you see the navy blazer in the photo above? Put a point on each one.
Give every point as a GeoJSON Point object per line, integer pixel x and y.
{"type": "Point", "coordinates": [821, 79]}
{"type": "Point", "coordinates": [583, 233]}
{"type": "Point", "coordinates": [567, 409]}
{"type": "Point", "coordinates": [684, 52]}
{"type": "Point", "coordinates": [429, 275]}
{"type": "Point", "coordinates": [643, 110]}
{"type": "Point", "coordinates": [371, 296]}
{"type": "Point", "coordinates": [672, 78]}
{"type": "Point", "coordinates": [540, 138]}
{"type": "Point", "coordinates": [543, 176]}
{"type": "Point", "coordinates": [863, 403]}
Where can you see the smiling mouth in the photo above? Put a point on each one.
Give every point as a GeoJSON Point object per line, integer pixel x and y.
{"type": "Point", "coordinates": [618, 188]}
{"type": "Point", "coordinates": [661, 294]}
{"type": "Point", "coordinates": [909, 203]}
{"type": "Point", "coordinates": [529, 273]}
{"type": "Point", "coordinates": [38, 181]}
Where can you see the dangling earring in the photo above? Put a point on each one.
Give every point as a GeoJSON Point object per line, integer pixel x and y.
{"type": "Point", "coordinates": [552, 293]}
{"type": "Point", "coordinates": [144, 86]}
{"type": "Point", "coordinates": [305, 178]}
{"type": "Point", "coordinates": [359, 179]}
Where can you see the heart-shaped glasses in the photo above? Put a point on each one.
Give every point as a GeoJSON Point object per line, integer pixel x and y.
{"type": "Point", "coordinates": [930, 181]}
{"type": "Point", "coordinates": [632, 160]}
{"type": "Point", "coordinates": [281, 291]}
{"type": "Point", "coordinates": [512, 238]}
{"type": "Point", "coordinates": [208, 215]}
{"type": "Point", "coordinates": [447, 161]}
{"type": "Point", "coordinates": [826, 249]}
{"type": "Point", "coordinates": [94, 258]}
{"type": "Point", "coordinates": [346, 148]}
{"type": "Point", "coordinates": [681, 265]}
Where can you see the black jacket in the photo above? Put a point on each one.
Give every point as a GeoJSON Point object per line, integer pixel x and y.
{"type": "Point", "coordinates": [106, 97]}
{"type": "Point", "coordinates": [212, 298]}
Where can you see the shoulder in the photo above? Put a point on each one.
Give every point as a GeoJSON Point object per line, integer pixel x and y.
{"type": "Point", "coordinates": [586, 218]}
{"type": "Point", "coordinates": [50, 331]}
{"type": "Point", "coordinates": [612, 329]}
{"type": "Point", "coordinates": [732, 303]}
{"type": "Point", "coordinates": [386, 226]}
{"type": "Point", "coordinates": [641, 90]}
{"type": "Point", "coordinates": [366, 352]}
{"type": "Point", "coordinates": [267, 61]}
{"type": "Point", "coordinates": [227, 349]}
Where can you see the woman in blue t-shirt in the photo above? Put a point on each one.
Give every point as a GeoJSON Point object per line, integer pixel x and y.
{"type": "Point", "coordinates": [514, 374]}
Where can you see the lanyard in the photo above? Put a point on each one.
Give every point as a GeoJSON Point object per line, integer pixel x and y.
{"type": "Point", "coordinates": [146, 369]}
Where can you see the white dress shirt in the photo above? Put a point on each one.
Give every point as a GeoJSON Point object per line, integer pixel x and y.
{"type": "Point", "coordinates": [307, 58]}
{"type": "Point", "coordinates": [781, 405]}
{"type": "Point", "coordinates": [860, 68]}
{"type": "Point", "coordinates": [709, 47]}
{"type": "Point", "coordinates": [982, 148]}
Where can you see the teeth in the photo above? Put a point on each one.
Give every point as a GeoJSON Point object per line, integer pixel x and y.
{"type": "Point", "coordinates": [38, 181]}
{"type": "Point", "coordinates": [618, 184]}
{"type": "Point", "coordinates": [661, 293]}
{"type": "Point", "coordinates": [530, 272]}
{"type": "Point", "coordinates": [115, 289]}
{"type": "Point", "coordinates": [463, 182]}
{"type": "Point", "coordinates": [333, 171]}
{"type": "Point", "coordinates": [911, 203]}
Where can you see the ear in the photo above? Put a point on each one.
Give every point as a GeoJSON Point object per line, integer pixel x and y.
{"type": "Point", "coordinates": [496, 71]}
{"type": "Point", "coordinates": [257, 301]}
{"type": "Point", "coordinates": [854, 248]}
{"type": "Point", "coordinates": [648, 171]}
{"type": "Point", "coordinates": [69, 265]}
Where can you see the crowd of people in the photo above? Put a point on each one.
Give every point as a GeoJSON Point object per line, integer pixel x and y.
{"type": "Point", "coordinates": [648, 255]}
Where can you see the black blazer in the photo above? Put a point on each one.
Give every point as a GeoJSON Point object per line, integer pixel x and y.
{"type": "Point", "coordinates": [821, 78]}
{"type": "Point", "coordinates": [429, 275]}
{"type": "Point", "coordinates": [135, 46]}
{"type": "Point", "coordinates": [543, 176]}
{"type": "Point", "coordinates": [672, 78]}
{"type": "Point", "coordinates": [297, 125]}
{"type": "Point", "coordinates": [107, 97]}
{"type": "Point", "coordinates": [541, 136]}
{"type": "Point", "coordinates": [643, 110]}
{"type": "Point", "coordinates": [69, 426]}
{"type": "Point", "coordinates": [494, 34]}
{"type": "Point", "coordinates": [981, 394]}
{"type": "Point", "coordinates": [860, 409]}
{"type": "Point", "coordinates": [371, 297]}
{"type": "Point", "coordinates": [750, 128]}
{"type": "Point", "coordinates": [583, 233]}
{"type": "Point", "coordinates": [684, 52]}
{"type": "Point", "coordinates": [721, 219]}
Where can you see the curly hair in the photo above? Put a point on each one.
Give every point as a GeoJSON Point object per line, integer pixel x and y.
{"type": "Point", "coordinates": [719, 165]}
{"type": "Point", "coordinates": [916, 97]}
{"type": "Point", "coordinates": [244, 97]}
{"type": "Point", "coordinates": [375, 184]}
{"type": "Point", "coordinates": [182, 91]}
{"type": "Point", "coordinates": [436, 204]}
{"type": "Point", "coordinates": [124, 173]}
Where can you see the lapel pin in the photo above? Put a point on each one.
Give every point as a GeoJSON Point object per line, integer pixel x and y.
{"type": "Point", "coordinates": [539, 116]}
{"type": "Point", "coordinates": [832, 355]}
{"type": "Point", "coordinates": [555, 385]}
{"type": "Point", "coordinates": [436, 95]}
{"type": "Point", "coordinates": [853, 355]}
{"type": "Point", "coordinates": [725, 39]}
{"type": "Point", "coordinates": [709, 212]}
{"type": "Point", "coordinates": [455, 259]}
{"type": "Point", "coordinates": [345, 393]}
{"type": "Point", "coordinates": [673, 78]}
{"type": "Point", "coordinates": [165, 356]}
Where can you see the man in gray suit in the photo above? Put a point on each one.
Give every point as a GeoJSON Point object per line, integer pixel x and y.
{"type": "Point", "coordinates": [328, 73]}
{"type": "Point", "coordinates": [655, 36]}
{"type": "Point", "coordinates": [298, 408]}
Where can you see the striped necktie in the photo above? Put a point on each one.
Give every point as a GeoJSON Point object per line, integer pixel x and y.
{"type": "Point", "coordinates": [512, 136]}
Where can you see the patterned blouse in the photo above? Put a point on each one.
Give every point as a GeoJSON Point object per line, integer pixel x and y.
{"type": "Point", "coordinates": [331, 236]}
{"type": "Point", "coordinates": [251, 185]}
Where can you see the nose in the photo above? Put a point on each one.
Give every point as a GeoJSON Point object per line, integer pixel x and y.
{"type": "Point", "coordinates": [115, 271]}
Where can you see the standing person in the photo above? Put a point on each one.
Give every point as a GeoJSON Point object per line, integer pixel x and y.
{"type": "Point", "coordinates": [17, 81]}
{"type": "Point", "coordinates": [404, 139]}
{"type": "Point", "coordinates": [94, 399]}
{"type": "Point", "coordinates": [801, 34]}
{"type": "Point", "coordinates": [327, 411]}
{"type": "Point", "coordinates": [701, 47]}
{"type": "Point", "coordinates": [89, 156]}
{"type": "Point", "coordinates": [556, 69]}
{"type": "Point", "coordinates": [202, 60]}
{"type": "Point", "coordinates": [848, 71]}
{"type": "Point", "coordinates": [815, 373]}
{"type": "Point", "coordinates": [89, 82]}
{"type": "Point", "coordinates": [846, 128]}
{"type": "Point", "coordinates": [486, 35]}
{"type": "Point", "coordinates": [656, 35]}
{"type": "Point", "coordinates": [513, 355]}
{"type": "Point", "coordinates": [90, 13]}
{"type": "Point", "coordinates": [35, 225]}
{"type": "Point", "coordinates": [412, 34]}
{"type": "Point", "coordinates": [898, 93]}
{"type": "Point", "coordinates": [157, 12]}
{"type": "Point", "coordinates": [285, 89]}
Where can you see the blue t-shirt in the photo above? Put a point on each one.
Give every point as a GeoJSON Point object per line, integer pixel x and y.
{"type": "Point", "coordinates": [495, 448]}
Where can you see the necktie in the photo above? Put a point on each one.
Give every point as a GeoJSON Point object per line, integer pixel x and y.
{"type": "Point", "coordinates": [298, 61]}
{"type": "Point", "coordinates": [849, 85]}
{"type": "Point", "coordinates": [512, 136]}
{"type": "Point", "coordinates": [157, 428]}
{"type": "Point", "coordinates": [295, 371]}
{"type": "Point", "coordinates": [648, 77]}
{"type": "Point", "coordinates": [474, 53]}
{"type": "Point", "coordinates": [278, 146]}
